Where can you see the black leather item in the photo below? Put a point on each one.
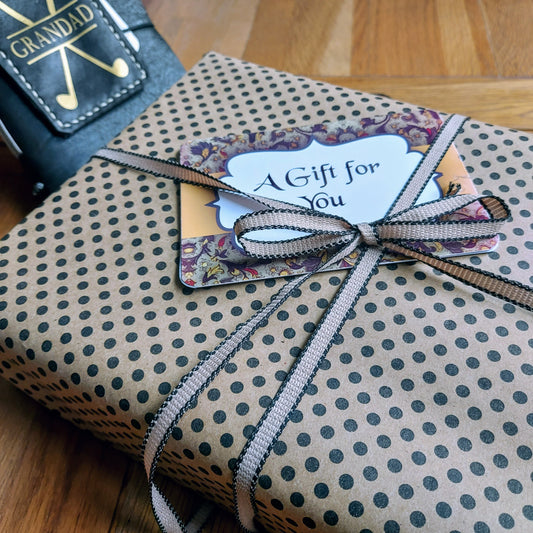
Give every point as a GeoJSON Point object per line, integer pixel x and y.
{"type": "Point", "coordinates": [71, 61]}
{"type": "Point", "coordinates": [71, 80]}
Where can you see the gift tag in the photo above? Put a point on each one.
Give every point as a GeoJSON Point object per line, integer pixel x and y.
{"type": "Point", "coordinates": [354, 170]}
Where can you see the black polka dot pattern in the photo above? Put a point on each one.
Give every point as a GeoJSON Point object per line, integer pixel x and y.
{"type": "Point", "coordinates": [420, 417]}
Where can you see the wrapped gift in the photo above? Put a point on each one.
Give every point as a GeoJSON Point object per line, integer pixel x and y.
{"type": "Point", "coordinates": [419, 416]}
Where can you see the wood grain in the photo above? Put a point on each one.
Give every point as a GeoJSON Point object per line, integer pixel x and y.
{"type": "Point", "coordinates": [509, 26]}
{"type": "Point", "coordinates": [490, 100]}
{"type": "Point", "coordinates": [195, 27]}
{"type": "Point", "coordinates": [469, 56]}
{"type": "Point", "coordinates": [16, 198]}
{"type": "Point", "coordinates": [45, 471]}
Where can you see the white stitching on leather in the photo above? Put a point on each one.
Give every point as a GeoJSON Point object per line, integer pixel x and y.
{"type": "Point", "coordinates": [96, 108]}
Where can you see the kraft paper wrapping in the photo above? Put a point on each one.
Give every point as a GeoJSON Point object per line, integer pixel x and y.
{"type": "Point", "coordinates": [420, 416]}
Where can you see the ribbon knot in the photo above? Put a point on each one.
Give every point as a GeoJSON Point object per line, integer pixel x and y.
{"type": "Point", "coordinates": [368, 234]}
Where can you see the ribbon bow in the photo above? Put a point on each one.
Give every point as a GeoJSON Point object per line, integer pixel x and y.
{"type": "Point", "coordinates": [424, 222]}
{"type": "Point", "coordinates": [397, 233]}
{"type": "Point", "coordinates": [404, 223]}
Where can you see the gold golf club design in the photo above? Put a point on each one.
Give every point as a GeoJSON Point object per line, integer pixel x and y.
{"type": "Point", "coordinates": [68, 100]}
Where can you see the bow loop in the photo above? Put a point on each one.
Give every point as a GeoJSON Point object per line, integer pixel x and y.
{"type": "Point", "coordinates": [305, 232]}
{"type": "Point", "coordinates": [430, 221]}
{"type": "Point", "coordinates": [495, 208]}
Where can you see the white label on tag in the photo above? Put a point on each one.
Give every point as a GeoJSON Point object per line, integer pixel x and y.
{"type": "Point", "coordinates": [357, 180]}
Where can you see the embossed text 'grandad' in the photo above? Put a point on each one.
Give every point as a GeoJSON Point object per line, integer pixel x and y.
{"type": "Point", "coordinates": [44, 36]}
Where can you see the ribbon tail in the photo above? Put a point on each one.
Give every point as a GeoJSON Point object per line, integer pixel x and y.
{"type": "Point", "coordinates": [275, 418]}
{"type": "Point", "coordinates": [166, 517]}
{"type": "Point", "coordinates": [180, 173]}
{"type": "Point", "coordinates": [505, 289]}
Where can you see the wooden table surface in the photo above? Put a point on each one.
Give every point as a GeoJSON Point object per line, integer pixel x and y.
{"type": "Point", "coordinates": [473, 57]}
